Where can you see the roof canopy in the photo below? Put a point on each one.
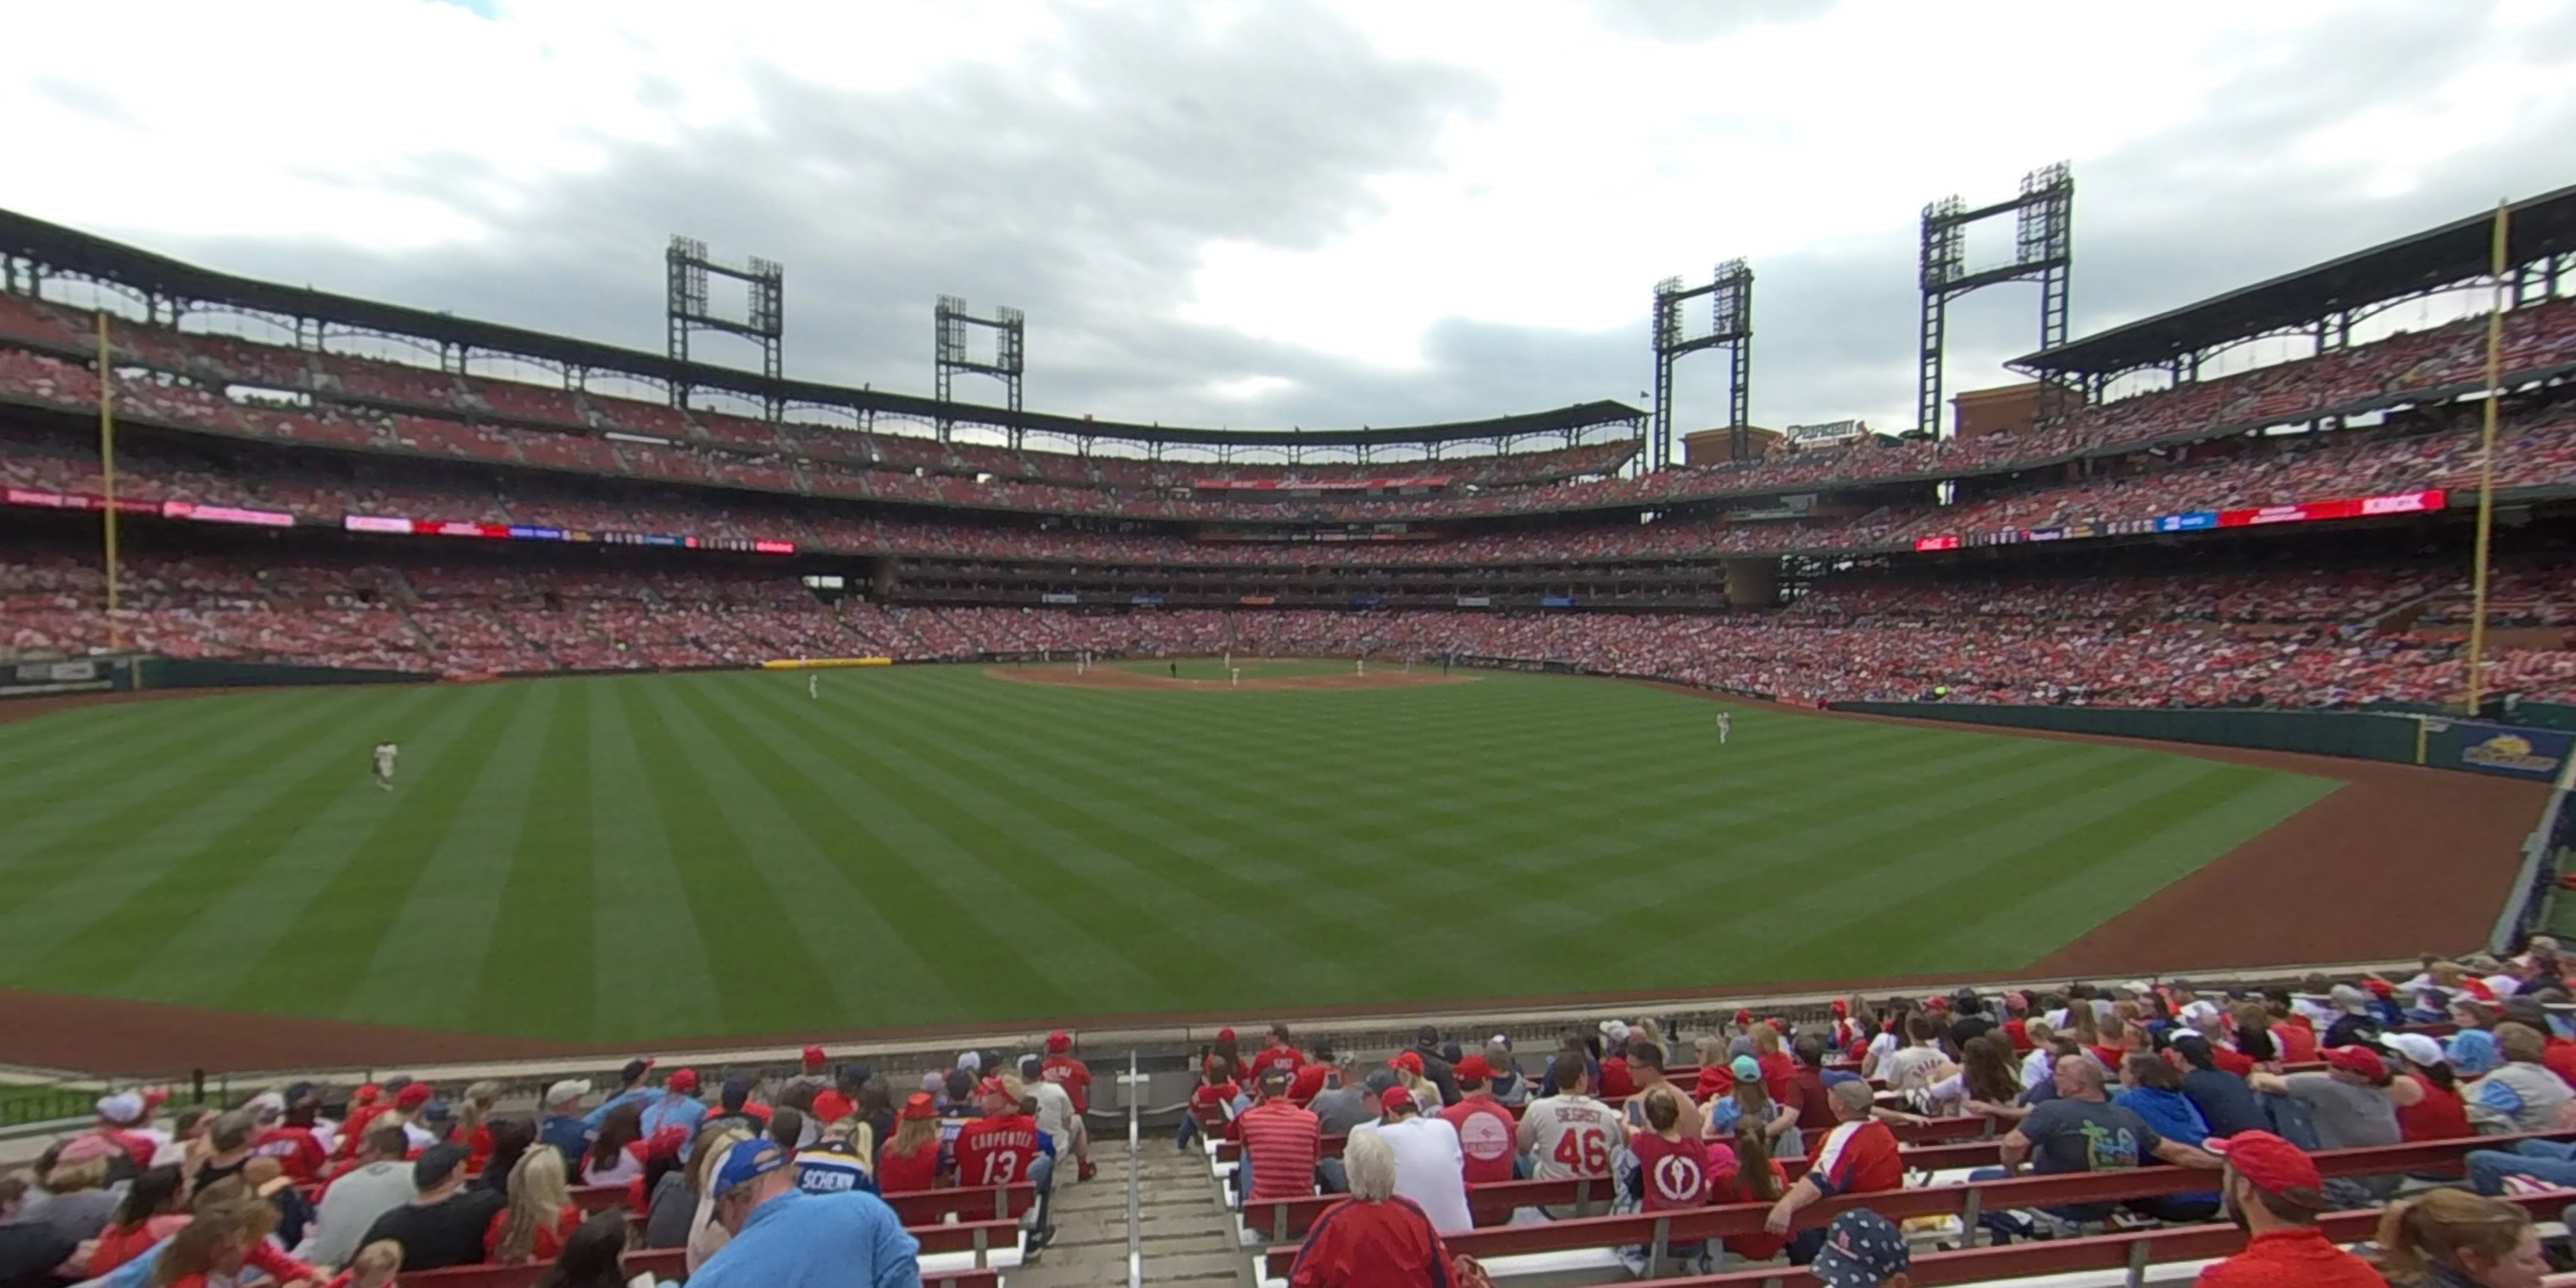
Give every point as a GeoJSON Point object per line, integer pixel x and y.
{"type": "Point", "coordinates": [70, 250]}
{"type": "Point", "coordinates": [2455, 252]}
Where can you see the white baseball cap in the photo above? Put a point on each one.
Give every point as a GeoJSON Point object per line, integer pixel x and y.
{"type": "Point", "coordinates": [2416, 1048]}
{"type": "Point", "coordinates": [568, 1089]}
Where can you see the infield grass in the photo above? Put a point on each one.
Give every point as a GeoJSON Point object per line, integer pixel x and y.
{"type": "Point", "coordinates": [605, 859]}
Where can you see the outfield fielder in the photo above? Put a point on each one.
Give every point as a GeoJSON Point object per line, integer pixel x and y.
{"type": "Point", "coordinates": [1725, 726]}
{"type": "Point", "coordinates": [385, 753]}
{"type": "Point", "coordinates": [814, 686]}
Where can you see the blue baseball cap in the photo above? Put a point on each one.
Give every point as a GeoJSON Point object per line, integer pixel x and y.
{"type": "Point", "coordinates": [1862, 1250]}
{"type": "Point", "coordinates": [749, 1161]}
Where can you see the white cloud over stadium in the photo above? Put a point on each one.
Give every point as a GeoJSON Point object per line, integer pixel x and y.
{"type": "Point", "coordinates": [1322, 212]}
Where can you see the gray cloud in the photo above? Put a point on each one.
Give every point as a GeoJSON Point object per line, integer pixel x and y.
{"type": "Point", "coordinates": [1090, 213]}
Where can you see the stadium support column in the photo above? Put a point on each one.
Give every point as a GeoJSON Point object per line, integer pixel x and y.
{"type": "Point", "coordinates": [1010, 327]}
{"type": "Point", "coordinates": [1730, 294]}
{"type": "Point", "coordinates": [2043, 252]}
{"type": "Point", "coordinates": [686, 268]}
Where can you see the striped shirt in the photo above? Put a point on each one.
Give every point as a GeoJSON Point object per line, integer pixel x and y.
{"type": "Point", "coordinates": [1280, 1142]}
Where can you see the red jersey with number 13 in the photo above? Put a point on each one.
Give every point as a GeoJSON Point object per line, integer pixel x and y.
{"type": "Point", "coordinates": [996, 1151]}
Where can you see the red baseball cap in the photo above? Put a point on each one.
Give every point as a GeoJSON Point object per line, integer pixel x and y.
{"type": "Point", "coordinates": [413, 1096]}
{"type": "Point", "coordinates": [365, 1094]}
{"type": "Point", "coordinates": [1396, 1098]}
{"type": "Point", "coordinates": [1474, 1069]}
{"type": "Point", "coordinates": [1225, 1035]}
{"type": "Point", "coordinates": [814, 1057]}
{"type": "Point", "coordinates": [1059, 1042]}
{"type": "Point", "coordinates": [1841, 1007]}
{"type": "Point", "coordinates": [2357, 1059]}
{"type": "Point", "coordinates": [681, 1080]}
{"type": "Point", "coordinates": [918, 1106]}
{"type": "Point", "coordinates": [2267, 1160]}
{"type": "Point", "coordinates": [991, 1087]}
{"type": "Point", "coordinates": [1409, 1061]}
{"type": "Point", "coordinates": [1744, 1017]}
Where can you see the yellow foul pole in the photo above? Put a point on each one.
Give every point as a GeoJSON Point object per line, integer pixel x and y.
{"type": "Point", "coordinates": [2496, 268]}
{"type": "Point", "coordinates": [107, 473]}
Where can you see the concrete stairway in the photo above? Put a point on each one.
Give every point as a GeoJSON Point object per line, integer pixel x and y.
{"type": "Point", "coordinates": [1186, 1237]}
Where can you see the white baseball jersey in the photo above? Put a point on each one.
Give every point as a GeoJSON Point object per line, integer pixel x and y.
{"type": "Point", "coordinates": [385, 753]}
{"type": "Point", "coordinates": [1570, 1136]}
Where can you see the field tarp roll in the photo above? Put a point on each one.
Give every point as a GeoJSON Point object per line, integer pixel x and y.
{"type": "Point", "coordinates": [2326, 733]}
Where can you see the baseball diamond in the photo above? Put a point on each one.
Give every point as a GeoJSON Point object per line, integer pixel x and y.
{"type": "Point", "coordinates": [603, 860]}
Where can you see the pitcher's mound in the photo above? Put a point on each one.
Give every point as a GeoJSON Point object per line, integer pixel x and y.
{"type": "Point", "coordinates": [1114, 676]}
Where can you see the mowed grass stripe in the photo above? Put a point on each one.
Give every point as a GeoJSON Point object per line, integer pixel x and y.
{"type": "Point", "coordinates": [1828, 832]}
{"type": "Point", "coordinates": [924, 841]}
{"type": "Point", "coordinates": [541, 977]}
{"type": "Point", "coordinates": [445, 920]}
{"type": "Point", "coordinates": [314, 972]}
{"type": "Point", "coordinates": [100, 824]}
{"type": "Point", "coordinates": [1462, 831]}
{"type": "Point", "coordinates": [944, 874]}
{"type": "Point", "coordinates": [826, 913]}
{"type": "Point", "coordinates": [194, 860]}
{"type": "Point", "coordinates": [654, 974]}
{"type": "Point", "coordinates": [887, 902]}
{"type": "Point", "coordinates": [1958, 850]}
{"type": "Point", "coordinates": [41, 756]}
{"type": "Point", "coordinates": [2212, 814]}
{"type": "Point", "coordinates": [1064, 866]}
{"type": "Point", "coordinates": [767, 978]}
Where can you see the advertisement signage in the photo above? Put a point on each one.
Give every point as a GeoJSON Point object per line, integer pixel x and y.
{"type": "Point", "coordinates": [1936, 543]}
{"type": "Point", "coordinates": [225, 514]}
{"type": "Point", "coordinates": [2188, 521]}
{"type": "Point", "coordinates": [1556, 601]}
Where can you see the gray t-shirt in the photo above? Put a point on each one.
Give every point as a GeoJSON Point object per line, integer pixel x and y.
{"type": "Point", "coordinates": [1339, 1109]}
{"type": "Point", "coordinates": [2346, 1116]}
{"type": "Point", "coordinates": [2069, 1135]}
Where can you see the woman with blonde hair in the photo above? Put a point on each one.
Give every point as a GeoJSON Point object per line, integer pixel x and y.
{"type": "Point", "coordinates": [473, 1125]}
{"type": "Point", "coordinates": [910, 1161]}
{"type": "Point", "coordinates": [541, 1214]}
{"type": "Point", "coordinates": [841, 1160]}
{"type": "Point", "coordinates": [706, 1234]}
{"type": "Point", "coordinates": [2451, 1238]}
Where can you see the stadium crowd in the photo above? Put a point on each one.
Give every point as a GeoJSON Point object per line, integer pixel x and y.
{"type": "Point", "coordinates": [800, 1178]}
{"type": "Point", "coordinates": [2276, 637]}
{"type": "Point", "coordinates": [349, 401]}
{"type": "Point", "coordinates": [2537, 448]}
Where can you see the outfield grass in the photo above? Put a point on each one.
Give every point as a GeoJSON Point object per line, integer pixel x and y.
{"type": "Point", "coordinates": [662, 856]}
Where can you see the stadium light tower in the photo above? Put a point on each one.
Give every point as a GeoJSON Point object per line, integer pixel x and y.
{"type": "Point", "coordinates": [685, 310]}
{"type": "Point", "coordinates": [1010, 327]}
{"type": "Point", "coordinates": [1730, 294]}
{"type": "Point", "coordinates": [2043, 252]}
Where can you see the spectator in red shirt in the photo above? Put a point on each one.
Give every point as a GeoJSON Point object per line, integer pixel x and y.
{"type": "Point", "coordinates": [841, 1098]}
{"type": "Point", "coordinates": [541, 1214]}
{"type": "Point", "coordinates": [1373, 1239]}
{"type": "Point", "coordinates": [1485, 1128]}
{"type": "Point", "coordinates": [2452, 1237]}
{"type": "Point", "coordinates": [1280, 1053]}
{"type": "Point", "coordinates": [2274, 1190]}
{"type": "Point", "coordinates": [1281, 1142]}
{"type": "Point", "coordinates": [1616, 1083]}
{"type": "Point", "coordinates": [910, 1161]}
{"type": "Point", "coordinates": [1062, 1069]}
{"type": "Point", "coordinates": [1216, 1097]}
{"type": "Point", "coordinates": [1779, 1072]}
{"type": "Point", "coordinates": [1310, 1077]}
{"type": "Point", "coordinates": [291, 1143]}
{"type": "Point", "coordinates": [1858, 1157]}
{"type": "Point", "coordinates": [1222, 1054]}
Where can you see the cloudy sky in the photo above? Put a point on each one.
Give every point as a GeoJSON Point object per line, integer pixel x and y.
{"type": "Point", "coordinates": [1314, 212]}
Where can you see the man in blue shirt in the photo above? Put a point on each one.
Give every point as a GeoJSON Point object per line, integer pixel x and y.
{"type": "Point", "coordinates": [784, 1237]}
{"type": "Point", "coordinates": [630, 1088]}
{"type": "Point", "coordinates": [562, 1125]}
